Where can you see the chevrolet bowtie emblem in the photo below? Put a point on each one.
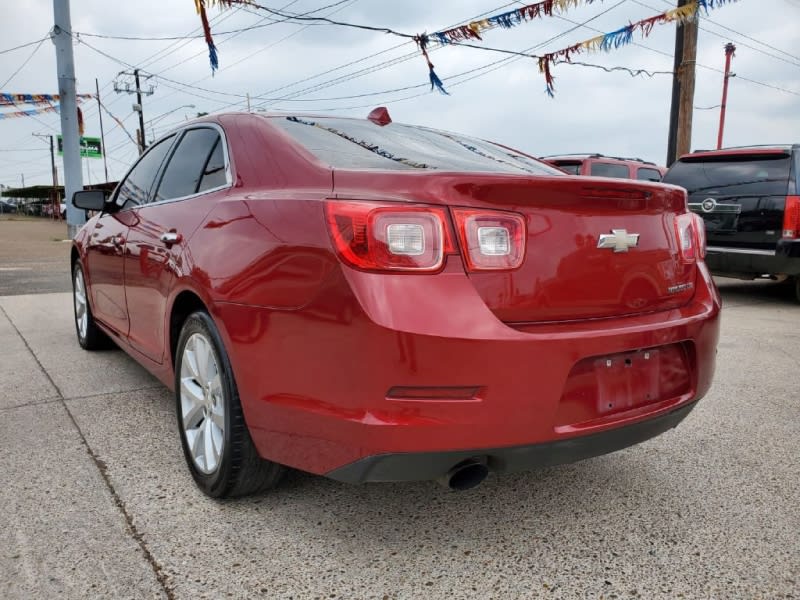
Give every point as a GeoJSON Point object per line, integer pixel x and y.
{"type": "Point", "coordinates": [619, 239]}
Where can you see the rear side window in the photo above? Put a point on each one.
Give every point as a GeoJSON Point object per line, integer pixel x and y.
{"type": "Point", "coordinates": [187, 167]}
{"type": "Point", "coordinates": [214, 173]}
{"type": "Point", "coordinates": [762, 175]}
{"type": "Point", "coordinates": [356, 144]}
{"type": "Point", "coordinates": [599, 169]}
{"type": "Point", "coordinates": [645, 174]}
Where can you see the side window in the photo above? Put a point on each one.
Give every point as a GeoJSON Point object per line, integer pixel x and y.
{"type": "Point", "coordinates": [600, 169]}
{"type": "Point", "coordinates": [188, 164]}
{"type": "Point", "coordinates": [137, 185]}
{"type": "Point", "coordinates": [645, 174]}
{"type": "Point", "coordinates": [214, 173]}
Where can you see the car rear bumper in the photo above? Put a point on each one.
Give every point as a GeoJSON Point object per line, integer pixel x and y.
{"type": "Point", "coordinates": [749, 263]}
{"type": "Point", "coordinates": [421, 466]}
{"type": "Point", "coordinates": [338, 381]}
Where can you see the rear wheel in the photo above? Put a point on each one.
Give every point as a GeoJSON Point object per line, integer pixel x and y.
{"type": "Point", "coordinates": [797, 288]}
{"type": "Point", "coordinates": [216, 442]}
{"type": "Point", "coordinates": [90, 337]}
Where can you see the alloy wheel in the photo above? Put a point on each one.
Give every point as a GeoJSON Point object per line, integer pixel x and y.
{"type": "Point", "coordinates": [202, 403]}
{"type": "Point", "coordinates": [81, 307]}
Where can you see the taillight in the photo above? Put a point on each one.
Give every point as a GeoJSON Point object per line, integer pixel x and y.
{"type": "Point", "coordinates": [381, 237]}
{"type": "Point", "coordinates": [687, 240]}
{"type": "Point", "coordinates": [490, 240]}
{"type": "Point", "coordinates": [700, 233]}
{"type": "Point", "coordinates": [791, 218]}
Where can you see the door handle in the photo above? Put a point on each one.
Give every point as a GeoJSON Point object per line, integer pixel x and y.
{"type": "Point", "coordinates": [171, 237]}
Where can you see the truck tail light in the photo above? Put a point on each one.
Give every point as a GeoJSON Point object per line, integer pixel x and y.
{"type": "Point", "coordinates": [383, 237]}
{"type": "Point", "coordinates": [700, 233]}
{"type": "Point", "coordinates": [490, 240]}
{"type": "Point", "coordinates": [685, 229]}
{"type": "Point", "coordinates": [791, 218]}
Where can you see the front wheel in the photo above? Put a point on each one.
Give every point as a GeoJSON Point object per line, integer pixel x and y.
{"type": "Point", "coordinates": [216, 442]}
{"type": "Point", "coordinates": [90, 337]}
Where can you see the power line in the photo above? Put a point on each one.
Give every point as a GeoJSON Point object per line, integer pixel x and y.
{"type": "Point", "coordinates": [6, 51]}
{"type": "Point", "coordinates": [22, 66]}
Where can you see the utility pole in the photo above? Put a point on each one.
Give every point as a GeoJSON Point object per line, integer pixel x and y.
{"type": "Point", "coordinates": [52, 166]}
{"type": "Point", "coordinates": [680, 121]}
{"type": "Point", "coordinates": [126, 88]}
{"type": "Point", "coordinates": [65, 64]}
{"type": "Point", "coordinates": [730, 51]}
{"type": "Point", "coordinates": [102, 133]}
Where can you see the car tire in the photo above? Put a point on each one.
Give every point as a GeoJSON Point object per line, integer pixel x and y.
{"type": "Point", "coordinates": [797, 288]}
{"type": "Point", "coordinates": [216, 442]}
{"type": "Point", "coordinates": [90, 336]}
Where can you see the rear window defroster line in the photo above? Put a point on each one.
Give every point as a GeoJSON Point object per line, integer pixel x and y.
{"type": "Point", "coordinates": [367, 146]}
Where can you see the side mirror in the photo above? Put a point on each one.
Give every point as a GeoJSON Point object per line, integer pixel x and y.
{"type": "Point", "coordinates": [89, 199]}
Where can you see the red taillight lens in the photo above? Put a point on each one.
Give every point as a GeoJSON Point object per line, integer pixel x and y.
{"type": "Point", "coordinates": [490, 240]}
{"type": "Point", "coordinates": [700, 233]}
{"type": "Point", "coordinates": [791, 218]}
{"type": "Point", "coordinates": [687, 240]}
{"type": "Point", "coordinates": [380, 237]}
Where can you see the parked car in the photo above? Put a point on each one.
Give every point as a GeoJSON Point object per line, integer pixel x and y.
{"type": "Point", "coordinates": [373, 301]}
{"type": "Point", "coordinates": [749, 199]}
{"type": "Point", "coordinates": [599, 165]}
{"type": "Point", "coordinates": [7, 208]}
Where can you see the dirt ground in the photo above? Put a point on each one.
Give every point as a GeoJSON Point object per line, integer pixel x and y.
{"type": "Point", "coordinates": [33, 256]}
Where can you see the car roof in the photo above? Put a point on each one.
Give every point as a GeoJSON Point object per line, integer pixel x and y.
{"type": "Point", "coordinates": [585, 155]}
{"type": "Point", "coordinates": [743, 150]}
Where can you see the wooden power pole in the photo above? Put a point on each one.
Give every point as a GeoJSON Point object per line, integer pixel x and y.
{"type": "Point", "coordinates": [680, 122]}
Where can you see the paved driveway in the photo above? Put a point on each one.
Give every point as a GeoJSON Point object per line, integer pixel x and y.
{"type": "Point", "coordinates": [96, 501]}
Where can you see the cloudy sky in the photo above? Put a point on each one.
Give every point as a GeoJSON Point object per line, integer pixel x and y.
{"type": "Point", "coordinates": [311, 67]}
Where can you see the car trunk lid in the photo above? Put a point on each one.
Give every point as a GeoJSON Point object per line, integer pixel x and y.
{"type": "Point", "coordinates": [565, 275]}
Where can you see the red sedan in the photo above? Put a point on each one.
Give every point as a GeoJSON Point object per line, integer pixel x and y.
{"type": "Point", "coordinates": [374, 301]}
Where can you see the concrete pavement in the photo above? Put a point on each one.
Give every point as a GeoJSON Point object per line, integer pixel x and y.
{"type": "Point", "coordinates": [96, 500]}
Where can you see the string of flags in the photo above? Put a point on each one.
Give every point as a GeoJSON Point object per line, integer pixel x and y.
{"type": "Point", "coordinates": [17, 99]}
{"type": "Point", "coordinates": [474, 31]}
{"type": "Point", "coordinates": [623, 36]}
{"type": "Point", "coordinates": [50, 104]}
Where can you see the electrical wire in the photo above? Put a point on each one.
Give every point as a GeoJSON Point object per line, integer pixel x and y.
{"type": "Point", "coordinates": [22, 66]}
{"type": "Point", "coordinates": [7, 50]}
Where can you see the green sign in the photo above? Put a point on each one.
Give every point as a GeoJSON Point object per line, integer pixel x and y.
{"type": "Point", "coordinates": [90, 147]}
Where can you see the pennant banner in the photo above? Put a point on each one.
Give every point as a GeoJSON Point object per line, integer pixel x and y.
{"type": "Point", "coordinates": [29, 113]}
{"type": "Point", "coordinates": [200, 5]}
{"type": "Point", "coordinates": [506, 20]}
{"type": "Point", "coordinates": [17, 99]}
{"type": "Point", "coordinates": [623, 36]}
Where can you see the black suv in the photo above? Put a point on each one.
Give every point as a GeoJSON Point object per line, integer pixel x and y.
{"type": "Point", "coordinates": [749, 199]}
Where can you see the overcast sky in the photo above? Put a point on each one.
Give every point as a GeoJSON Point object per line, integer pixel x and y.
{"type": "Point", "coordinates": [294, 67]}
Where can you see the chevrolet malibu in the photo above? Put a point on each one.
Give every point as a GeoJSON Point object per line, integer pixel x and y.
{"type": "Point", "coordinates": [373, 301]}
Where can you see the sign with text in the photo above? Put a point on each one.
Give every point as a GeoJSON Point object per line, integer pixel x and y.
{"type": "Point", "coordinates": [90, 147]}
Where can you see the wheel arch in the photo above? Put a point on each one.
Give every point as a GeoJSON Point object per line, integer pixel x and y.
{"type": "Point", "coordinates": [185, 303]}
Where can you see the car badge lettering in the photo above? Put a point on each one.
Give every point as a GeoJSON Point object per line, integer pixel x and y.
{"type": "Point", "coordinates": [619, 240]}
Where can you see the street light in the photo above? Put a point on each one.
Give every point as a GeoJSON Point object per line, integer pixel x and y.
{"type": "Point", "coordinates": [161, 116]}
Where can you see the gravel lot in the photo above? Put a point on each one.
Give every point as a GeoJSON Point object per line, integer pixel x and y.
{"type": "Point", "coordinates": [97, 501]}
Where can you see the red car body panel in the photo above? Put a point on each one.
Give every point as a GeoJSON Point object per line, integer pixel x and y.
{"type": "Point", "coordinates": [327, 357]}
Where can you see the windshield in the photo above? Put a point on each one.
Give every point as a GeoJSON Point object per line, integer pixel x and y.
{"type": "Point", "coordinates": [766, 175]}
{"type": "Point", "coordinates": [356, 144]}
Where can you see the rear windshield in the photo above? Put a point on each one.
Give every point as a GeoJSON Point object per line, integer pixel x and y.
{"type": "Point", "coordinates": [766, 175]}
{"type": "Point", "coordinates": [601, 169]}
{"type": "Point", "coordinates": [356, 144]}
